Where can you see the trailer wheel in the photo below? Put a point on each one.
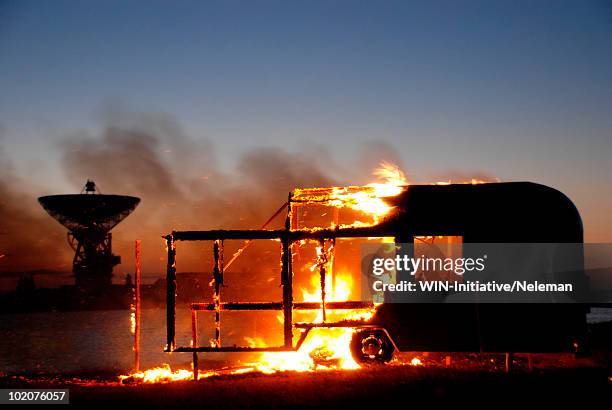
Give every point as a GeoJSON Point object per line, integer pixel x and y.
{"type": "Point", "coordinates": [371, 347]}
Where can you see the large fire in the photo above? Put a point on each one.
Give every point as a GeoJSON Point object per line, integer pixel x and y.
{"type": "Point", "coordinates": [327, 348]}
{"type": "Point", "coordinates": [324, 348]}
{"type": "Point", "coordinates": [369, 200]}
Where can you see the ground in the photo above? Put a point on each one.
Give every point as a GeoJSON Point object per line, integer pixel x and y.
{"type": "Point", "coordinates": [471, 379]}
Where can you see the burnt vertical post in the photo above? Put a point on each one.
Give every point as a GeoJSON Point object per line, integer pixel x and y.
{"type": "Point", "coordinates": [194, 342]}
{"type": "Point", "coordinates": [322, 262]}
{"type": "Point", "coordinates": [333, 251]}
{"type": "Point", "coordinates": [171, 294]}
{"type": "Point", "coordinates": [218, 282]}
{"type": "Point", "coordinates": [137, 308]}
{"type": "Point", "coordinates": [509, 362]}
{"type": "Point", "coordinates": [287, 279]}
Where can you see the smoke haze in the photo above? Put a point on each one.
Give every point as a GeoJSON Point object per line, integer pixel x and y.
{"type": "Point", "coordinates": [179, 181]}
{"type": "Point", "coordinates": [28, 237]}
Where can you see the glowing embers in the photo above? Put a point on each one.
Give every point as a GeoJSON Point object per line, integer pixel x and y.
{"type": "Point", "coordinates": [163, 374]}
{"type": "Point", "coordinates": [323, 349]}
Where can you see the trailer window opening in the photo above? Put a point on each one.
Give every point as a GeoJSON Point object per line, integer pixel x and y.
{"type": "Point", "coordinates": [438, 246]}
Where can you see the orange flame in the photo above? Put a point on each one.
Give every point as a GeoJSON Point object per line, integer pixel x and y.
{"type": "Point", "coordinates": [132, 321]}
{"type": "Point", "coordinates": [163, 374]}
{"type": "Point", "coordinates": [324, 348]}
{"type": "Point", "coordinates": [368, 199]}
{"type": "Point", "coordinates": [330, 347]}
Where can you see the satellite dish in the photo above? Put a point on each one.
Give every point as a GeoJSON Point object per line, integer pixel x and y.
{"type": "Point", "coordinates": [89, 217]}
{"type": "Point", "coordinates": [81, 211]}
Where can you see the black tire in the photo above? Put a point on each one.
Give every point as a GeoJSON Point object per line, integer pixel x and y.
{"type": "Point", "coordinates": [371, 347]}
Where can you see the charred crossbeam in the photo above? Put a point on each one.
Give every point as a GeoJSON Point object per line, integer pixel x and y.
{"type": "Point", "coordinates": [234, 349]}
{"type": "Point", "coordinates": [342, 323]}
{"type": "Point", "coordinates": [293, 235]}
{"type": "Point", "coordinates": [253, 306]}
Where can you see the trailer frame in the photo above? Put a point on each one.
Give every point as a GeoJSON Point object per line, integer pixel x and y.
{"type": "Point", "coordinates": [287, 237]}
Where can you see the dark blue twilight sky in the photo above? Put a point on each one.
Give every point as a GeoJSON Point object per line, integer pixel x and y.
{"type": "Point", "coordinates": [521, 90]}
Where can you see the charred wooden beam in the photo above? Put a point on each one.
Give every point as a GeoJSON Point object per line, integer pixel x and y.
{"type": "Point", "coordinates": [194, 343]}
{"type": "Point", "coordinates": [213, 235]}
{"type": "Point", "coordinates": [339, 232]}
{"type": "Point", "coordinates": [322, 262]}
{"type": "Point", "coordinates": [351, 304]}
{"type": "Point", "coordinates": [287, 280]}
{"type": "Point", "coordinates": [253, 306]}
{"type": "Point", "coordinates": [342, 323]}
{"type": "Point", "coordinates": [292, 234]}
{"type": "Point", "coordinates": [234, 349]}
{"type": "Point", "coordinates": [239, 306]}
{"type": "Point", "coordinates": [218, 281]}
{"type": "Point", "coordinates": [171, 294]}
{"type": "Point", "coordinates": [137, 307]}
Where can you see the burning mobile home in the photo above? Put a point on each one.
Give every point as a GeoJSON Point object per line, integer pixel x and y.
{"type": "Point", "coordinates": [329, 223]}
